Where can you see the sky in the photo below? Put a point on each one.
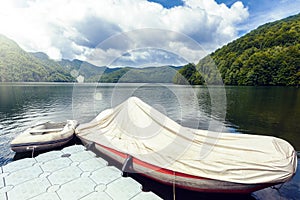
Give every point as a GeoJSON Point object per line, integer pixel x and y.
{"type": "Point", "coordinates": [135, 32]}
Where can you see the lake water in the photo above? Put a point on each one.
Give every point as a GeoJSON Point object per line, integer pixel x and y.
{"type": "Point", "coordinates": [255, 110]}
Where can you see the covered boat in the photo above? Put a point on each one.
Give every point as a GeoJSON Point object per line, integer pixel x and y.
{"type": "Point", "coordinates": [148, 142]}
{"type": "Point", "coordinates": [44, 136]}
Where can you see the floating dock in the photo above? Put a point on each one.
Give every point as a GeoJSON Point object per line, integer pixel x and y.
{"type": "Point", "coordinates": [69, 174]}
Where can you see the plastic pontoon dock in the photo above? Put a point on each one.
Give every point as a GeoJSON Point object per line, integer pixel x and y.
{"type": "Point", "coordinates": [72, 173]}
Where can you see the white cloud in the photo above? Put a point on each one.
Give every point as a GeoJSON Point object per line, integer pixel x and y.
{"type": "Point", "coordinates": [54, 53]}
{"type": "Point", "coordinates": [72, 28]}
{"type": "Point", "coordinates": [146, 47]}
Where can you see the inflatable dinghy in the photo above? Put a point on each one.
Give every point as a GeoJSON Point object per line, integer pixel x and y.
{"type": "Point", "coordinates": [44, 136]}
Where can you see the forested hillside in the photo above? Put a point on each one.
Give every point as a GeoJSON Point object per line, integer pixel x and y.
{"type": "Point", "coordinates": [90, 72]}
{"type": "Point", "coordinates": [164, 74]}
{"type": "Point", "coordinates": [268, 55]}
{"type": "Point", "coordinates": [188, 75]}
{"type": "Point", "coordinates": [19, 65]}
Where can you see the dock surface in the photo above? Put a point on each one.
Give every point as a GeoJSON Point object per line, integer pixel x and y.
{"type": "Point", "coordinates": [69, 174]}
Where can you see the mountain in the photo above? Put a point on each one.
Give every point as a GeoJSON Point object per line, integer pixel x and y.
{"type": "Point", "coordinates": [93, 73]}
{"type": "Point", "coordinates": [268, 55]}
{"type": "Point", "coordinates": [14, 61]}
{"type": "Point", "coordinates": [90, 72]}
{"type": "Point", "coordinates": [164, 74]}
{"type": "Point", "coordinates": [17, 65]}
{"type": "Point", "coordinates": [57, 73]}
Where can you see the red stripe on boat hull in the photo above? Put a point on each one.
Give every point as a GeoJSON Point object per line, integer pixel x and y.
{"type": "Point", "coordinates": [182, 180]}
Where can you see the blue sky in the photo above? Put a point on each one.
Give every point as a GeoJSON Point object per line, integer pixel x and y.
{"type": "Point", "coordinates": [73, 29]}
{"type": "Point", "coordinates": [168, 3]}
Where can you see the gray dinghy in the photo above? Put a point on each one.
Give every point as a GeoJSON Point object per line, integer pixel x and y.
{"type": "Point", "coordinates": [44, 136]}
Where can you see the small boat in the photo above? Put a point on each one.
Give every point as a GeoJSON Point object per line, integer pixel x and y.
{"type": "Point", "coordinates": [145, 141]}
{"type": "Point", "coordinates": [44, 136]}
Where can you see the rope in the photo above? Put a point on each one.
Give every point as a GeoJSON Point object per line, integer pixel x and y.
{"type": "Point", "coordinates": [31, 148]}
{"type": "Point", "coordinates": [278, 189]}
{"type": "Point", "coordinates": [174, 186]}
{"type": "Point", "coordinates": [32, 154]}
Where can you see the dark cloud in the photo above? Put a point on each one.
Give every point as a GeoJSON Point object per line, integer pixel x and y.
{"type": "Point", "coordinates": [95, 30]}
{"type": "Point", "coordinates": [121, 42]}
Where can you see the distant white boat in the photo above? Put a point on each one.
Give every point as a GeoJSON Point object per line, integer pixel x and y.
{"type": "Point", "coordinates": [44, 136]}
{"type": "Point", "coordinates": [146, 141]}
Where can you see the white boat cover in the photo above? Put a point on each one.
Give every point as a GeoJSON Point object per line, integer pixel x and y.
{"type": "Point", "coordinates": [136, 128]}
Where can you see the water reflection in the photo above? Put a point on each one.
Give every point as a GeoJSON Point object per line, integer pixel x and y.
{"type": "Point", "coordinates": [266, 111]}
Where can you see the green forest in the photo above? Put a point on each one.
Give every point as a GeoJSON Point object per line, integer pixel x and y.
{"type": "Point", "coordinates": [268, 55]}
{"type": "Point", "coordinates": [162, 74]}
{"type": "Point", "coordinates": [19, 65]}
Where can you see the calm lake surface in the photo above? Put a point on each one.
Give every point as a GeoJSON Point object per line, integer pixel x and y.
{"type": "Point", "coordinates": [255, 110]}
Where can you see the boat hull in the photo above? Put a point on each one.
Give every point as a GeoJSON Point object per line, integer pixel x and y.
{"type": "Point", "coordinates": [40, 146]}
{"type": "Point", "coordinates": [170, 177]}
